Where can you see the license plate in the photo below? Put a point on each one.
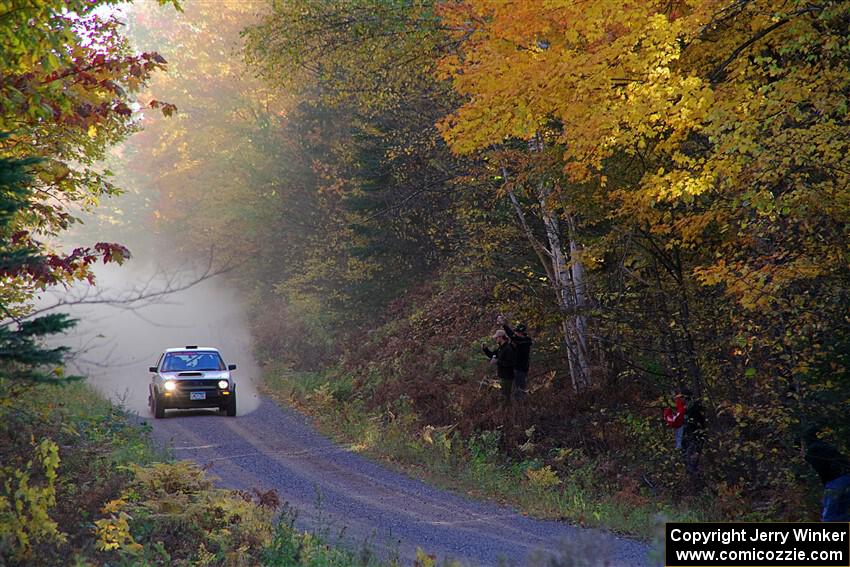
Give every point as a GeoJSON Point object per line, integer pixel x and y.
{"type": "Point", "coordinates": [197, 395]}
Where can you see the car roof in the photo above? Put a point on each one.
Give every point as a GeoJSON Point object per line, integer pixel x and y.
{"type": "Point", "coordinates": [185, 349]}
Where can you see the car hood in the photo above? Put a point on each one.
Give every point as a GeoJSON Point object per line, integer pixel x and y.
{"type": "Point", "coordinates": [196, 375]}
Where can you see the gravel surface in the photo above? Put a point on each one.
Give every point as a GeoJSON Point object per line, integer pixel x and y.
{"type": "Point", "coordinates": [348, 496]}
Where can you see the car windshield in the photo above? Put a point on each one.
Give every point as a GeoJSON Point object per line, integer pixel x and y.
{"type": "Point", "coordinates": [192, 361]}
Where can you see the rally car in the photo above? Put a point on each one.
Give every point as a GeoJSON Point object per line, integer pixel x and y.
{"type": "Point", "coordinates": [191, 377]}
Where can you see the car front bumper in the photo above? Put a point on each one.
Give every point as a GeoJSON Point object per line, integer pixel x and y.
{"type": "Point", "coordinates": [178, 399]}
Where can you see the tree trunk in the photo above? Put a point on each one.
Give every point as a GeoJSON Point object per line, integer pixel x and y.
{"type": "Point", "coordinates": [580, 289]}
{"type": "Point", "coordinates": [539, 249]}
{"type": "Point", "coordinates": [565, 290]}
{"type": "Point", "coordinates": [554, 263]}
{"type": "Point", "coordinates": [566, 275]}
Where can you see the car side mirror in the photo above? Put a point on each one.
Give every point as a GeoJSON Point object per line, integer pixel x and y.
{"type": "Point", "coordinates": [152, 369]}
{"type": "Point", "coordinates": [231, 367]}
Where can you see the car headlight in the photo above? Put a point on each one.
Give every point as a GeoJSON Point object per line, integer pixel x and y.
{"type": "Point", "coordinates": [223, 384]}
{"type": "Point", "coordinates": [171, 385]}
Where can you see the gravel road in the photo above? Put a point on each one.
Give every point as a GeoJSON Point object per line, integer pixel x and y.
{"type": "Point", "coordinates": [338, 490]}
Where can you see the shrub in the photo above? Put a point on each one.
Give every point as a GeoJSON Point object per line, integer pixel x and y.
{"type": "Point", "coordinates": [172, 511]}
{"type": "Point", "coordinates": [290, 547]}
{"type": "Point", "coordinates": [543, 478]}
{"type": "Point", "coordinates": [26, 496]}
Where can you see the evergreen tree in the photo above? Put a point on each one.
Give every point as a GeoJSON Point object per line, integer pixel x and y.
{"type": "Point", "coordinates": [23, 355]}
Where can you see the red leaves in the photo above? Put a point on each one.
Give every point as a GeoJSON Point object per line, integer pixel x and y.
{"type": "Point", "coordinates": [167, 108]}
{"type": "Point", "coordinates": [120, 76]}
{"type": "Point", "coordinates": [156, 57]}
{"type": "Point", "coordinates": [112, 252]}
{"type": "Point", "coordinates": [122, 109]}
{"type": "Point", "coordinates": [51, 269]}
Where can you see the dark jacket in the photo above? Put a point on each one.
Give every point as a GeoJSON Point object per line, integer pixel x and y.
{"type": "Point", "coordinates": [505, 359]}
{"type": "Point", "coordinates": [522, 345]}
{"type": "Point", "coordinates": [827, 461]}
{"type": "Point", "coordinates": [694, 433]}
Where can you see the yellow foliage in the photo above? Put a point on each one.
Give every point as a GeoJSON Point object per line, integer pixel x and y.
{"type": "Point", "coordinates": [424, 559]}
{"type": "Point", "coordinates": [438, 436]}
{"type": "Point", "coordinates": [113, 506]}
{"type": "Point", "coordinates": [113, 533]}
{"type": "Point", "coordinates": [322, 397]}
{"type": "Point", "coordinates": [25, 504]}
{"type": "Point", "coordinates": [218, 525]}
{"type": "Point", "coordinates": [180, 477]}
{"type": "Point", "coordinates": [543, 478]}
{"type": "Point", "coordinates": [735, 113]}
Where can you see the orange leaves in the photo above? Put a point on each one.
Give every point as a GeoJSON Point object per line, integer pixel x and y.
{"type": "Point", "coordinates": [729, 118]}
{"type": "Point", "coordinates": [762, 287]}
{"type": "Point", "coordinates": [584, 65]}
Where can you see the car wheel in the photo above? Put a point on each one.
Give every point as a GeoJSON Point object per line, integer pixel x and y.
{"type": "Point", "coordinates": [231, 405]}
{"type": "Point", "coordinates": [158, 409]}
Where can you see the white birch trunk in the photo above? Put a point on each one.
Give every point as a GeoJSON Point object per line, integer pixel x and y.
{"type": "Point", "coordinates": [580, 289]}
{"type": "Point", "coordinates": [567, 276]}
{"type": "Point", "coordinates": [564, 284]}
{"type": "Point", "coordinates": [547, 260]}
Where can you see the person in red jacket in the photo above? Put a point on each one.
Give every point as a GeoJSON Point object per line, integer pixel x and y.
{"type": "Point", "coordinates": [676, 419]}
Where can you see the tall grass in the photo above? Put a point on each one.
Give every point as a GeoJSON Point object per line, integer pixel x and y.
{"type": "Point", "coordinates": [472, 465]}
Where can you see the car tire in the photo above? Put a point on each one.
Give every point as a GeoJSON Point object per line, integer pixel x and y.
{"type": "Point", "coordinates": [230, 409]}
{"type": "Point", "coordinates": [158, 409]}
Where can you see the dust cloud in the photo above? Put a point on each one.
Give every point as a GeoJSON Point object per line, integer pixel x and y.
{"type": "Point", "coordinates": [114, 342]}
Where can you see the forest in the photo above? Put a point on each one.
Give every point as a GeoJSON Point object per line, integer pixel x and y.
{"type": "Point", "coordinates": [657, 190]}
